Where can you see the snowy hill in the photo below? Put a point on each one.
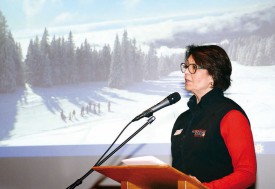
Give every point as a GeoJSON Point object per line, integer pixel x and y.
{"type": "Point", "coordinates": [33, 117]}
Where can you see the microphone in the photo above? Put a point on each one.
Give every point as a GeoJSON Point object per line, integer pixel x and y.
{"type": "Point", "coordinates": [169, 100]}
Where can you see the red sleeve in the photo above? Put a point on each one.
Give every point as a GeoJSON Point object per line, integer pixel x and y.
{"type": "Point", "coordinates": [237, 135]}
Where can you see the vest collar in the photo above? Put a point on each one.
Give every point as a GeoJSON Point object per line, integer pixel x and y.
{"type": "Point", "coordinates": [207, 100]}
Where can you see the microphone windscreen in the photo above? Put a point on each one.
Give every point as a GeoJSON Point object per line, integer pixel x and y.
{"type": "Point", "coordinates": [174, 97]}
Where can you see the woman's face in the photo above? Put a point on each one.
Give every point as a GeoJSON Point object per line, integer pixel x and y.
{"type": "Point", "coordinates": [198, 83]}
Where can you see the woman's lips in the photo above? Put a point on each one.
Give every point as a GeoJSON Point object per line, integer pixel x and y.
{"type": "Point", "coordinates": [187, 80]}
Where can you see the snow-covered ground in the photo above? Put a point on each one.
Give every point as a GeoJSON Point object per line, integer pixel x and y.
{"type": "Point", "coordinates": [32, 117]}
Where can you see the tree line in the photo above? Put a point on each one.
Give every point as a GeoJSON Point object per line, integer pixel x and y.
{"type": "Point", "coordinates": [253, 50]}
{"type": "Point", "coordinates": [11, 70]}
{"type": "Point", "coordinates": [60, 62]}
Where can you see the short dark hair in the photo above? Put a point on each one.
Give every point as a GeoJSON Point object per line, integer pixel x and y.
{"type": "Point", "coordinates": [215, 60]}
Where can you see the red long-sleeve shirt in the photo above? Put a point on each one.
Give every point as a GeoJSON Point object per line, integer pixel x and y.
{"type": "Point", "coordinates": [237, 135]}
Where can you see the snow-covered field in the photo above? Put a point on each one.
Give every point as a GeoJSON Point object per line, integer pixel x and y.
{"type": "Point", "coordinates": [33, 117]}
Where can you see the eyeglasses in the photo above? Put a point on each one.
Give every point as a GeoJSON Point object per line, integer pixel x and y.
{"type": "Point", "coordinates": [192, 68]}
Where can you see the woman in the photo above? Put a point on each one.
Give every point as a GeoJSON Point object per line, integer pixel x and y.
{"type": "Point", "coordinates": [212, 140]}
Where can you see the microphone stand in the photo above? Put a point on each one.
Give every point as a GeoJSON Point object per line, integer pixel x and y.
{"type": "Point", "coordinates": [79, 181]}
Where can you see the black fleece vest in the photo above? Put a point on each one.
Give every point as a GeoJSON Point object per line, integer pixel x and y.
{"type": "Point", "coordinates": [197, 145]}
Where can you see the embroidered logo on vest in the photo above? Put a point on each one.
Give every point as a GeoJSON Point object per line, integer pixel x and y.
{"type": "Point", "coordinates": [178, 132]}
{"type": "Point", "coordinates": [199, 133]}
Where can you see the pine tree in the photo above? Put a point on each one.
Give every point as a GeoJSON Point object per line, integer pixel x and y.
{"type": "Point", "coordinates": [270, 50]}
{"type": "Point", "coordinates": [28, 63]}
{"type": "Point", "coordinates": [136, 59]}
{"type": "Point", "coordinates": [9, 58]}
{"type": "Point", "coordinates": [55, 56]}
{"type": "Point", "coordinates": [84, 62]}
{"type": "Point", "coordinates": [151, 65]}
{"type": "Point", "coordinates": [47, 72]}
{"type": "Point", "coordinates": [261, 59]}
{"type": "Point", "coordinates": [97, 65]}
{"type": "Point", "coordinates": [126, 71]}
{"type": "Point", "coordinates": [34, 71]}
{"type": "Point", "coordinates": [46, 67]}
{"type": "Point", "coordinates": [44, 45]}
{"type": "Point", "coordinates": [105, 61]}
{"type": "Point", "coordinates": [7, 64]}
{"type": "Point", "coordinates": [164, 66]}
{"type": "Point", "coordinates": [20, 78]}
{"type": "Point", "coordinates": [115, 79]}
{"type": "Point", "coordinates": [72, 72]}
{"type": "Point", "coordinates": [63, 62]}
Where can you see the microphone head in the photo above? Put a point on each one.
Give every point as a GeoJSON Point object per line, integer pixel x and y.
{"type": "Point", "coordinates": [174, 97]}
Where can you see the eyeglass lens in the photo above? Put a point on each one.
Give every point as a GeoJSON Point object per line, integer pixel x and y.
{"type": "Point", "coordinates": [192, 68]}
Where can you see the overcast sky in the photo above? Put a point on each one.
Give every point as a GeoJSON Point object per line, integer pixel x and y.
{"type": "Point", "coordinates": [100, 20]}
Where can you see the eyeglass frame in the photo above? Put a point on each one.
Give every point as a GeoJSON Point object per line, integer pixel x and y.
{"type": "Point", "coordinates": [185, 67]}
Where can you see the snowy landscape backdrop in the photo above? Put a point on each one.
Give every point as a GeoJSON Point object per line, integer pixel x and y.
{"type": "Point", "coordinates": [79, 84]}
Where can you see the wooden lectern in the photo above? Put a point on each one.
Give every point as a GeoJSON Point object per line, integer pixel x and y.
{"type": "Point", "coordinates": [149, 177]}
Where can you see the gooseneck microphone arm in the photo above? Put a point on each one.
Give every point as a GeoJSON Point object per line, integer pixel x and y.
{"type": "Point", "coordinates": [169, 100]}
{"type": "Point", "coordinates": [102, 160]}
